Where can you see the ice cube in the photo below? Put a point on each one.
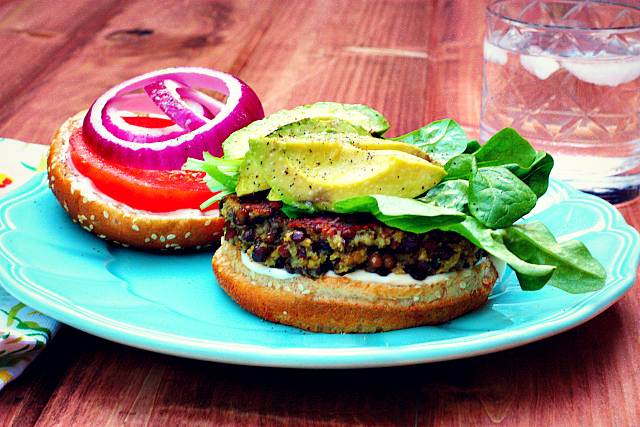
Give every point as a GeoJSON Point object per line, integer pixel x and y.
{"type": "Point", "coordinates": [493, 53]}
{"type": "Point", "coordinates": [604, 72]}
{"type": "Point", "coordinates": [539, 66]}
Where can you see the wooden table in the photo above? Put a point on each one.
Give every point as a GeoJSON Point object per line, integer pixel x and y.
{"type": "Point", "coordinates": [415, 62]}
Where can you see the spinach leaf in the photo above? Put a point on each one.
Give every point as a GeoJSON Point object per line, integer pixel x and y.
{"type": "Point", "coordinates": [511, 151]}
{"type": "Point", "coordinates": [531, 276]}
{"type": "Point", "coordinates": [576, 270]}
{"type": "Point", "coordinates": [449, 194]}
{"type": "Point", "coordinates": [442, 139]}
{"type": "Point", "coordinates": [497, 198]}
{"type": "Point", "coordinates": [460, 167]}
{"type": "Point", "coordinates": [406, 214]}
{"type": "Point", "coordinates": [537, 175]}
{"type": "Point", "coordinates": [472, 147]}
{"type": "Point", "coordinates": [504, 148]}
{"type": "Point", "coordinates": [296, 212]}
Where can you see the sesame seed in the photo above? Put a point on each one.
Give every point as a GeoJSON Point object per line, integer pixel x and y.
{"type": "Point", "coordinates": [416, 298]}
{"type": "Point", "coordinates": [106, 214]}
{"type": "Point", "coordinates": [162, 238]}
{"type": "Point", "coordinates": [305, 292]}
{"type": "Point", "coordinates": [135, 227]}
{"type": "Point", "coordinates": [285, 313]}
{"type": "Point", "coordinates": [92, 217]}
{"type": "Point", "coordinates": [287, 288]}
{"type": "Point", "coordinates": [171, 236]}
{"type": "Point", "coordinates": [154, 236]}
{"type": "Point", "coordinates": [186, 236]}
{"type": "Point", "coordinates": [147, 240]}
{"type": "Point", "coordinates": [207, 223]}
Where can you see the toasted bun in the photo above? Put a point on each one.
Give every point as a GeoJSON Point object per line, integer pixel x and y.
{"type": "Point", "coordinates": [115, 221]}
{"type": "Point", "coordinates": [342, 305]}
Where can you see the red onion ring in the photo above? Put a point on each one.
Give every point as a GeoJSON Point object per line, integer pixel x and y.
{"type": "Point", "coordinates": [148, 150]}
{"type": "Point", "coordinates": [164, 94]}
{"type": "Point", "coordinates": [140, 103]}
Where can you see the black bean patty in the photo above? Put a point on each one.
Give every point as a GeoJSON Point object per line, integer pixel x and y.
{"type": "Point", "coordinates": [318, 243]}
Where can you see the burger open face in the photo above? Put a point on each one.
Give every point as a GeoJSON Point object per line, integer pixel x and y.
{"type": "Point", "coordinates": [330, 227]}
{"type": "Point", "coordinates": [116, 167]}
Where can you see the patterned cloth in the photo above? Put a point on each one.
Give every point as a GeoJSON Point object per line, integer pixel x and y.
{"type": "Point", "coordinates": [24, 332]}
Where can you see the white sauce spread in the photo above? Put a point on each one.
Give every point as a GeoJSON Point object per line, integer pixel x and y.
{"type": "Point", "coordinates": [361, 275]}
{"type": "Point", "coordinates": [259, 268]}
{"type": "Point", "coordinates": [86, 187]}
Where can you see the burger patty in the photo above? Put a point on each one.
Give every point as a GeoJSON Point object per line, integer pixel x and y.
{"type": "Point", "coordinates": [315, 244]}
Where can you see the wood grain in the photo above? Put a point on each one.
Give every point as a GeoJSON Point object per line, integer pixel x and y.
{"type": "Point", "coordinates": [414, 61]}
{"type": "Point", "coordinates": [123, 40]}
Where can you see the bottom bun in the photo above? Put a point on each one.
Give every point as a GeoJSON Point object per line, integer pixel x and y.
{"type": "Point", "coordinates": [342, 305]}
{"type": "Point", "coordinates": [115, 221]}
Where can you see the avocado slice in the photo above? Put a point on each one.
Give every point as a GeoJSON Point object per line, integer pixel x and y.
{"type": "Point", "coordinates": [303, 171]}
{"type": "Point", "coordinates": [368, 142]}
{"type": "Point", "coordinates": [251, 180]}
{"type": "Point", "coordinates": [319, 125]}
{"type": "Point", "coordinates": [237, 144]}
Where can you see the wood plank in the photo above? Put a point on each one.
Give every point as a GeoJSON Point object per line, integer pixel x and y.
{"type": "Point", "coordinates": [372, 53]}
{"type": "Point", "coordinates": [455, 68]}
{"type": "Point", "coordinates": [573, 379]}
{"type": "Point", "coordinates": [133, 38]}
{"type": "Point", "coordinates": [412, 60]}
{"type": "Point", "coordinates": [22, 401]}
{"type": "Point", "coordinates": [37, 38]}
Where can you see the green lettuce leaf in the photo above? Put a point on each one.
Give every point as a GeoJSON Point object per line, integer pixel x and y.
{"type": "Point", "coordinates": [442, 139]}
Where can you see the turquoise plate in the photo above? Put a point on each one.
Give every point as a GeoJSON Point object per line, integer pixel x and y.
{"type": "Point", "coordinates": [170, 303]}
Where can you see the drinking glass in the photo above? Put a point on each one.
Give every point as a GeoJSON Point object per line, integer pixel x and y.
{"type": "Point", "coordinates": [566, 75]}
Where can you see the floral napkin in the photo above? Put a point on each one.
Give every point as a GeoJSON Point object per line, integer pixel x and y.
{"type": "Point", "coordinates": [24, 332]}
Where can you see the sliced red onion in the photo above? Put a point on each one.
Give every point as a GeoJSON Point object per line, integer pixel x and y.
{"type": "Point", "coordinates": [165, 95]}
{"type": "Point", "coordinates": [136, 103]}
{"type": "Point", "coordinates": [195, 97]}
{"type": "Point", "coordinates": [150, 151]}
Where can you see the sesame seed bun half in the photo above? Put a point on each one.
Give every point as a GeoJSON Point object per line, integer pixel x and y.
{"type": "Point", "coordinates": [115, 221]}
{"type": "Point", "coordinates": [338, 304]}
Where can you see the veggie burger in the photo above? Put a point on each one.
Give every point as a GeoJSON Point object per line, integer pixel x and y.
{"type": "Point", "coordinates": [330, 227]}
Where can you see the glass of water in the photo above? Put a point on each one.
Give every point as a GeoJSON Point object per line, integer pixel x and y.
{"type": "Point", "coordinates": [566, 75]}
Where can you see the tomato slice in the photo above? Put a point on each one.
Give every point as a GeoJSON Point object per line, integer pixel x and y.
{"type": "Point", "coordinates": [148, 122]}
{"type": "Point", "coordinates": [149, 190]}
